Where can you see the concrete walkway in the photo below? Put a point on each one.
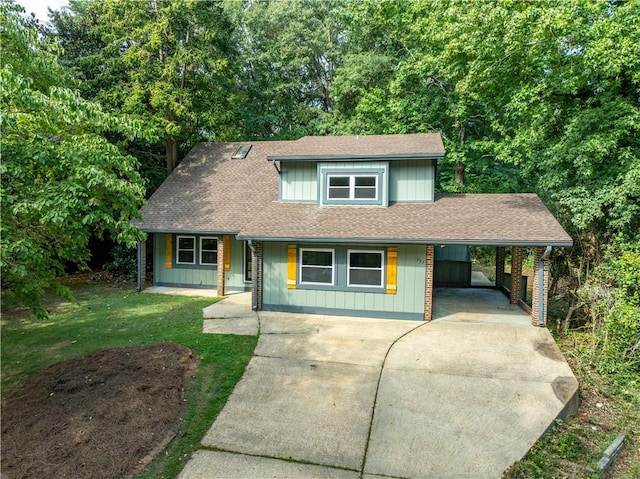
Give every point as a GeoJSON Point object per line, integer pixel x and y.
{"type": "Point", "coordinates": [461, 396]}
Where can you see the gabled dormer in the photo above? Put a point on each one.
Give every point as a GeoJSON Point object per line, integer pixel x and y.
{"type": "Point", "coordinates": [359, 170]}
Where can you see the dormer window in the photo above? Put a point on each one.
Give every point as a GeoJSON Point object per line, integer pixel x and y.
{"type": "Point", "coordinates": [352, 187]}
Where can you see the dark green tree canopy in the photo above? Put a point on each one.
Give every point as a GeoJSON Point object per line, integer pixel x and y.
{"type": "Point", "coordinates": [62, 180]}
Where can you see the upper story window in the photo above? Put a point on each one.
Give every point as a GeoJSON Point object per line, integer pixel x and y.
{"type": "Point", "coordinates": [352, 187]}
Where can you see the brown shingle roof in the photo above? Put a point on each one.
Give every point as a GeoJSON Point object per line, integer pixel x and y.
{"type": "Point", "coordinates": [210, 192]}
{"type": "Point", "coordinates": [487, 219]}
{"type": "Point", "coordinates": [419, 144]}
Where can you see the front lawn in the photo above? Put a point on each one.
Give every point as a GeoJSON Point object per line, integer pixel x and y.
{"type": "Point", "coordinates": [106, 317]}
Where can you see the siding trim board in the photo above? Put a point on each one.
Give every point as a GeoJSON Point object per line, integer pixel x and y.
{"type": "Point", "coordinates": [343, 312]}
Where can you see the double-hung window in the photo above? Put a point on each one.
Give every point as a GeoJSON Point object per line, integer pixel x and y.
{"type": "Point", "coordinates": [186, 250]}
{"type": "Point", "coordinates": [208, 250]}
{"type": "Point", "coordinates": [364, 268]}
{"type": "Point", "coordinates": [196, 251]}
{"type": "Point", "coordinates": [355, 187]}
{"type": "Point", "coordinates": [317, 266]}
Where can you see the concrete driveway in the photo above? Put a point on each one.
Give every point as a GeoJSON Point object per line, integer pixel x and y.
{"type": "Point", "coordinates": [465, 395]}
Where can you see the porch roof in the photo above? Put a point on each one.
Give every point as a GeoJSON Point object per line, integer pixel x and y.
{"type": "Point", "coordinates": [482, 219]}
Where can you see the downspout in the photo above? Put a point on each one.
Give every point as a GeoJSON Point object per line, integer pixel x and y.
{"type": "Point", "coordinates": [254, 278]}
{"type": "Point", "coordinates": [544, 256]}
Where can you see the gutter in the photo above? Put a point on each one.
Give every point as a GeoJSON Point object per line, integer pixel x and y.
{"type": "Point", "coordinates": [254, 279]}
{"type": "Point", "coordinates": [544, 256]}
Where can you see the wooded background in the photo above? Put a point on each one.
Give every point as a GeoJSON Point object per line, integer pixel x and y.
{"type": "Point", "coordinates": [99, 105]}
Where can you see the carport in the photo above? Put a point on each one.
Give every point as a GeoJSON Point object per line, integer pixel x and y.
{"type": "Point", "coordinates": [454, 275]}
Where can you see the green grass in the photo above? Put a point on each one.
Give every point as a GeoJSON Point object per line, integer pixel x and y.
{"type": "Point", "coordinates": [103, 318]}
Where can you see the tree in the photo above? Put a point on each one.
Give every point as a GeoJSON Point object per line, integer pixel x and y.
{"type": "Point", "coordinates": [576, 125]}
{"type": "Point", "coordinates": [288, 52]}
{"type": "Point", "coordinates": [62, 180]}
{"type": "Point", "coordinates": [410, 67]}
{"type": "Point", "coordinates": [165, 61]}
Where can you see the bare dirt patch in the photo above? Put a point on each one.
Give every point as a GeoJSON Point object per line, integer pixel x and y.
{"type": "Point", "coordinates": [95, 417]}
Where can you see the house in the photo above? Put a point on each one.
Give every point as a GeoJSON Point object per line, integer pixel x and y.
{"type": "Point", "coordinates": [346, 225]}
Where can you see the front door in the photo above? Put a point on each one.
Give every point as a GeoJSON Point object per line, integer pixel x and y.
{"type": "Point", "coordinates": [248, 264]}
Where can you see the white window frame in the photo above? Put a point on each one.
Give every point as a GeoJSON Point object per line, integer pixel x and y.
{"type": "Point", "coordinates": [209, 250]}
{"type": "Point", "coordinates": [352, 186]}
{"type": "Point", "coordinates": [333, 266]}
{"type": "Point", "coordinates": [178, 249]}
{"type": "Point", "coordinates": [381, 269]}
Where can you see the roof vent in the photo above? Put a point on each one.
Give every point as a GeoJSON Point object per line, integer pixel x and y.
{"type": "Point", "coordinates": [241, 152]}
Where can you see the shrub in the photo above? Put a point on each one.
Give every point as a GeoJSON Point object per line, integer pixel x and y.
{"type": "Point", "coordinates": [124, 262]}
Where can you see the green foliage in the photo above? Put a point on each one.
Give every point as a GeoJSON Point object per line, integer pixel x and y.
{"type": "Point", "coordinates": [618, 347]}
{"type": "Point", "coordinates": [62, 180]}
{"type": "Point", "coordinates": [124, 262]}
{"type": "Point", "coordinates": [169, 62]}
{"type": "Point", "coordinates": [113, 318]}
{"type": "Point", "coordinates": [287, 56]}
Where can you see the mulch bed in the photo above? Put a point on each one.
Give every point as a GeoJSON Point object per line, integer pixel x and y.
{"type": "Point", "coordinates": [99, 416]}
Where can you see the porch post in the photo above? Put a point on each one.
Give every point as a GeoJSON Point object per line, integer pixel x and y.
{"type": "Point", "coordinates": [256, 284]}
{"type": "Point", "coordinates": [535, 300]}
{"type": "Point", "coordinates": [500, 256]}
{"type": "Point", "coordinates": [516, 274]}
{"type": "Point", "coordinates": [220, 261]}
{"type": "Point", "coordinates": [428, 286]}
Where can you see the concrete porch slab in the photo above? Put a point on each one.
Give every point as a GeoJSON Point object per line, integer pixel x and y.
{"type": "Point", "coordinates": [201, 292]}
{"type": "Point", "coordinates": [237, 305]}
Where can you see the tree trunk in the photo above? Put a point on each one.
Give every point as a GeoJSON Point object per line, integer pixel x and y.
{"type": "Point", "coordinates": [171, 148]}
{"type": "Point", "coordinates": [460, 175]}
{"type": "Point", "coordinates": [460, 162]}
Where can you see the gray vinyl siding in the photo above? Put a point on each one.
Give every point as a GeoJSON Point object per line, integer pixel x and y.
{"type": "Point", "coordinates": [379, 167]}
{"type": "Point", "coordinates": [197, 277]}
{"type": "Point", "coordinates": [403, 181]}
{"type": "Point", "coordinates": [234, 278]}
{"type": "Point", "coordinates": [411, 181]}
{"type": "Point", "coordinates": [407, 302]}
{"type": "Point", "coordinates": [299, 181]}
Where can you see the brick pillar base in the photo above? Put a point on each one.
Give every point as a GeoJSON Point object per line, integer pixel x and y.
{"type": "Point", "coordinates": [516, 274]}
{"type": "Point", "coordinates": [535, 300]}
{"type": "Point", "coordinates": [500, 256]}
{"type": "Point", "coordinates": [220, 279]}
{"type": "Point", "coordinates": [428, 286]}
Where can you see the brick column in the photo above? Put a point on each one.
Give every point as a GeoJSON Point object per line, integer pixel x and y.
{"type": "Point", "coordinates": [220, 261]}
{"type": "Point", "coordinates": [500, 256]}
{"type": "Point", "coordinates": [256, 296]}
{"type": "Point", "coordinates": [535, 300]}
{"type": "Point", "coordinates": [516, 274]}
{"type": "Point", "coordinates": [428, 286]}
